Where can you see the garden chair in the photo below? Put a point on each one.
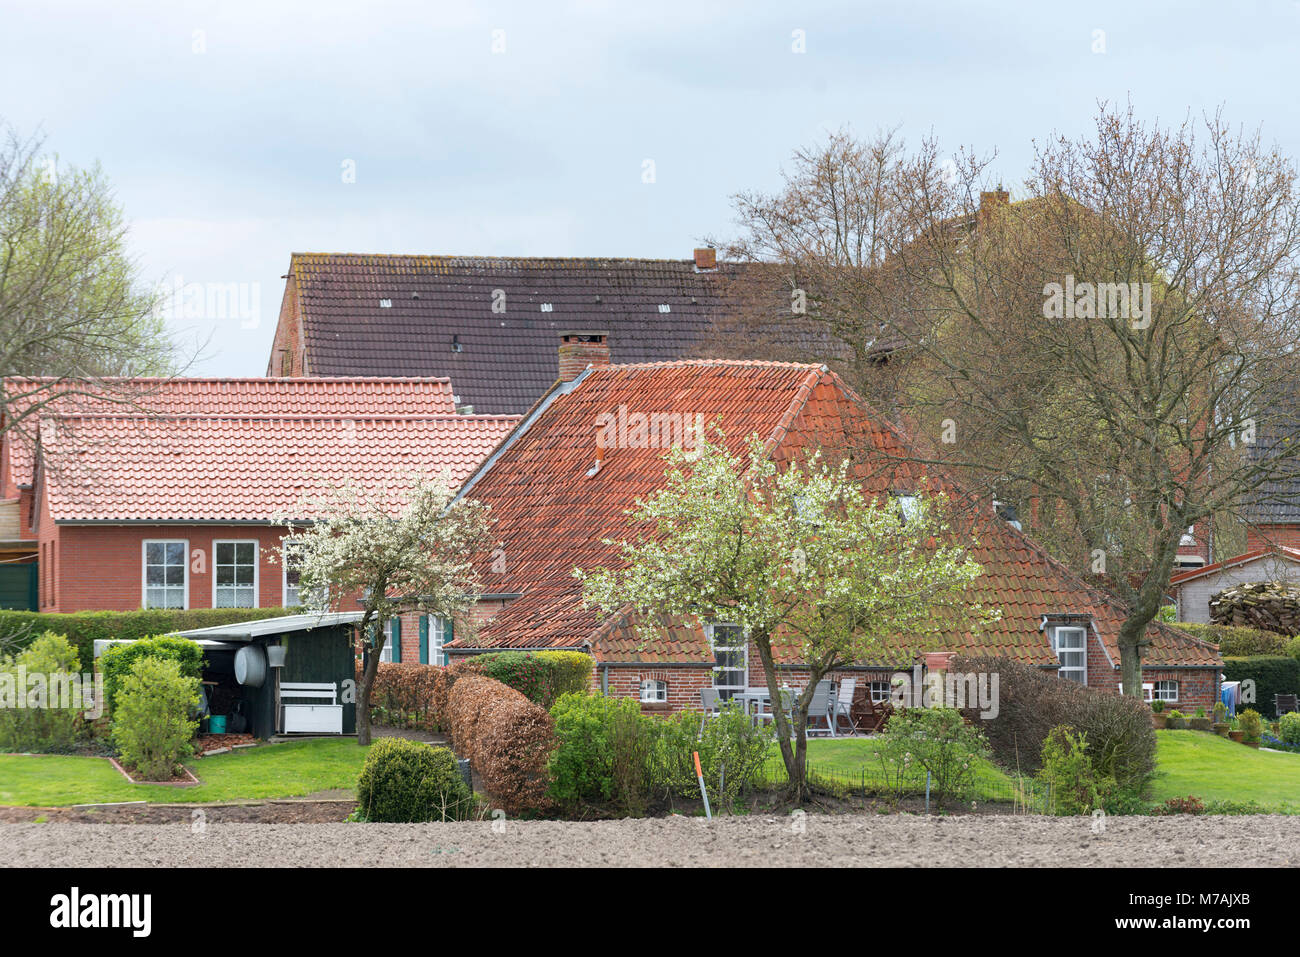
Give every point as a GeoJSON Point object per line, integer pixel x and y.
{"type": "Point", "coordinates": [710, 704]}
{"type": "Point", "coordinates": [820, 708]}
{"type": "Point", "coordinates": [1284, 703]}
{"type": "Point", "coordinates": [842, 705]}
{"type": "Point", "coordinates": [878, 713]}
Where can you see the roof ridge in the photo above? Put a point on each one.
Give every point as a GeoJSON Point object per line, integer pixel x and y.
{"type": "Point", "coordinates": [284, 416]}
{"type": "Point", "coordinates": [446, 257]}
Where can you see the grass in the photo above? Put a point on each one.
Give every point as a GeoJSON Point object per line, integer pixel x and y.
{"type": "Point", "coordinates": [1217, 769]}
{"type": "Point", "coordinates": [284, 770]}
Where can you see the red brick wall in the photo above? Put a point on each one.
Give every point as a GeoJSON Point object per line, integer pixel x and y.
{"type": "Point", "coordinates": [288, 337]}
{"type": "Point", "coordinates": [1262, 536]}
{"type": "Point", "coordinates": [100, 567]}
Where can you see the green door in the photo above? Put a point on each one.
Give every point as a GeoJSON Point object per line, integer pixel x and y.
{"type": "Point", "coordinates": [18, 587]}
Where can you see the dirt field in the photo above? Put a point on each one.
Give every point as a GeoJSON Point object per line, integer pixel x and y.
{"type": "Point", "coordinates": [815, 840]}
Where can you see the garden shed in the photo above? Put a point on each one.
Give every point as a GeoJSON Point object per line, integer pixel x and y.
{"type": "Point", "coordinates": [290, 675]}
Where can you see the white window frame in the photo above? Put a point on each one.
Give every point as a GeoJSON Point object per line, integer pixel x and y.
{"type": "Point", "coordinates": [1162, 694]}
{"type": "Point", "coordinates": [1081, 649]}
{"type": "Point", "coordinates": [909, 506]}
{"type": "Point", "coordinates": [726, 691]}
{"type": "Point", "coordinates": [144, 570]}
{"type": "Point", "coordinates": [284, 575]}
{"type": "Point", "coordinates": [880, 692]}
{"type": "Point", "coordinates": [654, 691]}
{"type": "Point", "coordinates": [437, 638]}
{"type": "Point", "coordinates": [257, 561]}
{"type": "Point", "coordinates": [386, 652]}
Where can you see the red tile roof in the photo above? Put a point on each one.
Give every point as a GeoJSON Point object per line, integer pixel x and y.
{"type": "Point", "coordinates": [207, 468]}
{"type": "Point", "coordinates": [551, 517]}
{"type": "Point", "coordinates": [228, 396]}
{"type": "Point", "coordinates": [1281, 551]}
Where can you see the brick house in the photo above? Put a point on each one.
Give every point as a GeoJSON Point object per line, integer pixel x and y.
{"type": "Point", "coordinates": [175, 509]}
{"type": "Point", "coordinates": [556, 495]}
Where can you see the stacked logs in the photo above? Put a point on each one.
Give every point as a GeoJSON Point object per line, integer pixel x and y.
{"type": "Point", "coordinates": [1269, 606]}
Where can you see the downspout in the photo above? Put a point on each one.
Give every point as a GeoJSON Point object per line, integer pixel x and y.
{"type": "Point", "coordinates": [604, 680]}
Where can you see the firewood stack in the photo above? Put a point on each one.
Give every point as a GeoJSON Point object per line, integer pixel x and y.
{"type": "Point", "coordinates": [1269, 606]}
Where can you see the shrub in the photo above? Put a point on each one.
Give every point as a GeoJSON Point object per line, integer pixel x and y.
{"type": "Point", "coordinates": [732, 749]}
{"type": "Point", "coordinates": [541, 677]}
{"type": "Point", "coordinates": [44, 728]}
{"type": "Point", "coordinates": [603, 752]}
{"type": "Point", "coordinates": [118, 660]}
{"type": "Point", "coordinates": [1272, 674]}
{"type": "Point", "coordinates": [1236, 641]}
{"type": "Point", "coordinates": [1177, 721]}
{"type": "Point", "coordinates": [507, 738]}
{"type": "Point", "coordinates": [1158, 706]}
{"type": "Point", "coordinates": [1250, 725]}
{"type": "Point", "coordinates": [1289, 727]}
{"type": "Point", "coordinates": [938, 741]}
{"type": "Point", "coordinates": [1031, 701]}
{"type": "Point", "coordinates": [151, 724]}
{"type": "Point", "coordinates": [403, 695]}
{"type": "Point", "coordinates": [407, 781]}
{"type": "Point", "coordinates": [19, 628]}
{"type": "Point", "coordinates": [1178, 805]}
{"type": "Point", "coordinates": [1292, 649]}
{"type": "Point", "coordinates": [1073, 783]}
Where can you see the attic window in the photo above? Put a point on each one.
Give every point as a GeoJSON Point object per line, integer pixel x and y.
{"type": "Point", "coordinates": [455, 344]}
{"type": "Point", "coordinates": [385, 304]}
{"type": "Point", "coordinates": [547, 307]}
{"type": "Point", "coordinates": [908, 505]}
{"type": "Point", "coordinates": [664, 307]}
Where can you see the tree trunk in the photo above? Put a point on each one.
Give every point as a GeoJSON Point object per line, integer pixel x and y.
{"type": "Point", "coordinates": [367, 682]}
{"type": "Point", "coordinates": [794, 757]}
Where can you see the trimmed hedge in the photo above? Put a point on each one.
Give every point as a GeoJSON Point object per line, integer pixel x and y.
{"type": "Point", "coordinates": [1237, 641]}
{"type": "Point", "coordinates": [19, 628]}
{"type": "Point", "coordinates": [402, 695]}
{"type": "Point", "coordinates": [1272, 674]}
{"type": "Point", "coordinates": [508, 740]}
{"type": "Point", "coordinates": [1031, 702]}
{"type": "Point", "coordinates": [406, 781]}
{"type": "Point", "coordinates": [541, 676]}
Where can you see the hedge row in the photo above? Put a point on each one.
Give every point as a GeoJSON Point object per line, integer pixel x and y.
{"type": "Point", "coordinates": [507, 739]}
{"type": "Point", "coordinates": [1272, 674]}
{"type": "Point", "coordinates": [19, 628]}
{"type": "Point", "coordinates": [1236, 640]}
{"type": "Point", "coordinates": [1031, 702]}
{"type": "Point", "coordinates": [402, 695]}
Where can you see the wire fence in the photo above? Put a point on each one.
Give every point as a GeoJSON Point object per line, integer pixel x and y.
{"type": "Point", "coordinates": [1020, 793]}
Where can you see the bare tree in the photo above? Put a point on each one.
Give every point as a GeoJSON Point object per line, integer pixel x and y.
{"type": "Point", "coordinates": [1103, 352]}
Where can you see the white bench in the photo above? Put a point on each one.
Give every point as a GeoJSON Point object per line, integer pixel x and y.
{"type": "Point", "coordinates": [316, 717]}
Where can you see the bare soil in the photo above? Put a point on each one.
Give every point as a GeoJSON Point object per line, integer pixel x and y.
{"type": "Point", "coordinates": [814, 840]}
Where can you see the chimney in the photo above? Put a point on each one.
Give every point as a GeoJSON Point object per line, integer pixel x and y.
{"type": "Point", "coordinates": [581, 349]}
{"type": "Point", "coordinates": [706, 258]}
{"type": "Point", "coordinates": [989, 200]}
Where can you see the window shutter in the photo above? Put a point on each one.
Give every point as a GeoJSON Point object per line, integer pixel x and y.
{"type": "Point", "coordinates": [424, 639]}
{"type": "Point", "coordinates": [448, 633]}
{"type": "Point", "coordinates": [397, 639]}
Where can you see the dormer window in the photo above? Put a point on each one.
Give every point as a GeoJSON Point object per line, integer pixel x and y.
{"type": "Point", "coordinates": [1070, 643]}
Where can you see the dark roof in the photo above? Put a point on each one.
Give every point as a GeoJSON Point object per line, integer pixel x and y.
{"type": "Point", "coordinates": [507, 358]}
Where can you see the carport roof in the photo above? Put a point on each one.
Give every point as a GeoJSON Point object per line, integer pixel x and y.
{"type": "Point", "coordinates": [248, 630]}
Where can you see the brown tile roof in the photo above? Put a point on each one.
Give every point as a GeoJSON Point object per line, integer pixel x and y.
{"type": "Point", "coordinates": [237, 396]}
{"type": "Point", "coordinates": [552, 517]}
{"type": "Point", "coordinates": [506, 359]}
{"type": "Point", "coordinates": [207, 468]}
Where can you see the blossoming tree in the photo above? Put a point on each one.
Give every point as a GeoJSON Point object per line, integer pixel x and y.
{"type": "Point", "coordinates": [801, 557]}
{"type": "Point", "coordinates": [400, 545]}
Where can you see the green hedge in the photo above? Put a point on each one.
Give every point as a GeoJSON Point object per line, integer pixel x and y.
{"type": "Point", "coordinates": [19, 628]}
{"type": "Point", "coordinates": [1272, 674]}
{"type": "Point", "coordinates": [119, 660]}
{"type": "Point", "coordinates": [1236, 641]}
{"type": "Point", "coordinates": [539, 676]}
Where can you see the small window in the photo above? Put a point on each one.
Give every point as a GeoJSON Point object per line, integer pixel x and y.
{"type": "Point", "coordinates": [1163, 690]}
{"type": "Point", "coordinates": [730, 658]}
{"type": "Point", "coordinates": [386, 653]}
{"type": "Point", "coordinates": [234, 570]}
{"type": "Point", "coordinates": [879, 691]}
{"type": "Point", "coordinates": [385, 304]}
{"type": "Point", "coordinates": [654, 692]}
{"type": "Point", "coordinates": [547, 307]}
{"type": "Point", "coordinates": [165, 574]}
{"type": "Point", "coordinates": [909, 506]}
{"type": "Point", "coordinates": [1071, 646]}
{"type": "Point", "coordinates": [664, 307]}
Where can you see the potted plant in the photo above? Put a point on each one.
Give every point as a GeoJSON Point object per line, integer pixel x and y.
{"type": "Point", "coordinates": [1158, 716]}
{"type": "Point", "coordinates": [1200, 722]}
{"type": "Point", "coordinates": [1252, 727]}
{"type": "Point", "coordinates": [1176, 721]}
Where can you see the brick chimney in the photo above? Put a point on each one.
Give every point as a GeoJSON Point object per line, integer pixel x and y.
{"type": "Point", "coordinates": [990, 200]}
{"type": "Point", "coordinates": [706, 258]}
{"type": "Point", "coordinates": [581, 349]}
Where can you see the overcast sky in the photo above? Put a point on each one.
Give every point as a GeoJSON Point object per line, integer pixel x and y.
{"type": "Point", "coordinates": [227, 128]}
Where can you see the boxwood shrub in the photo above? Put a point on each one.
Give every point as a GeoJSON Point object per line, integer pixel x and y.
{"type": "Point", "coordinates": [406, 781]}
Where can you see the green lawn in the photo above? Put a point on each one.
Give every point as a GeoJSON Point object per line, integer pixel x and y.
{"type": "Point", "coordinates": [284, 770]}
{"type": "Point", "coordinates": [1217, 769]}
